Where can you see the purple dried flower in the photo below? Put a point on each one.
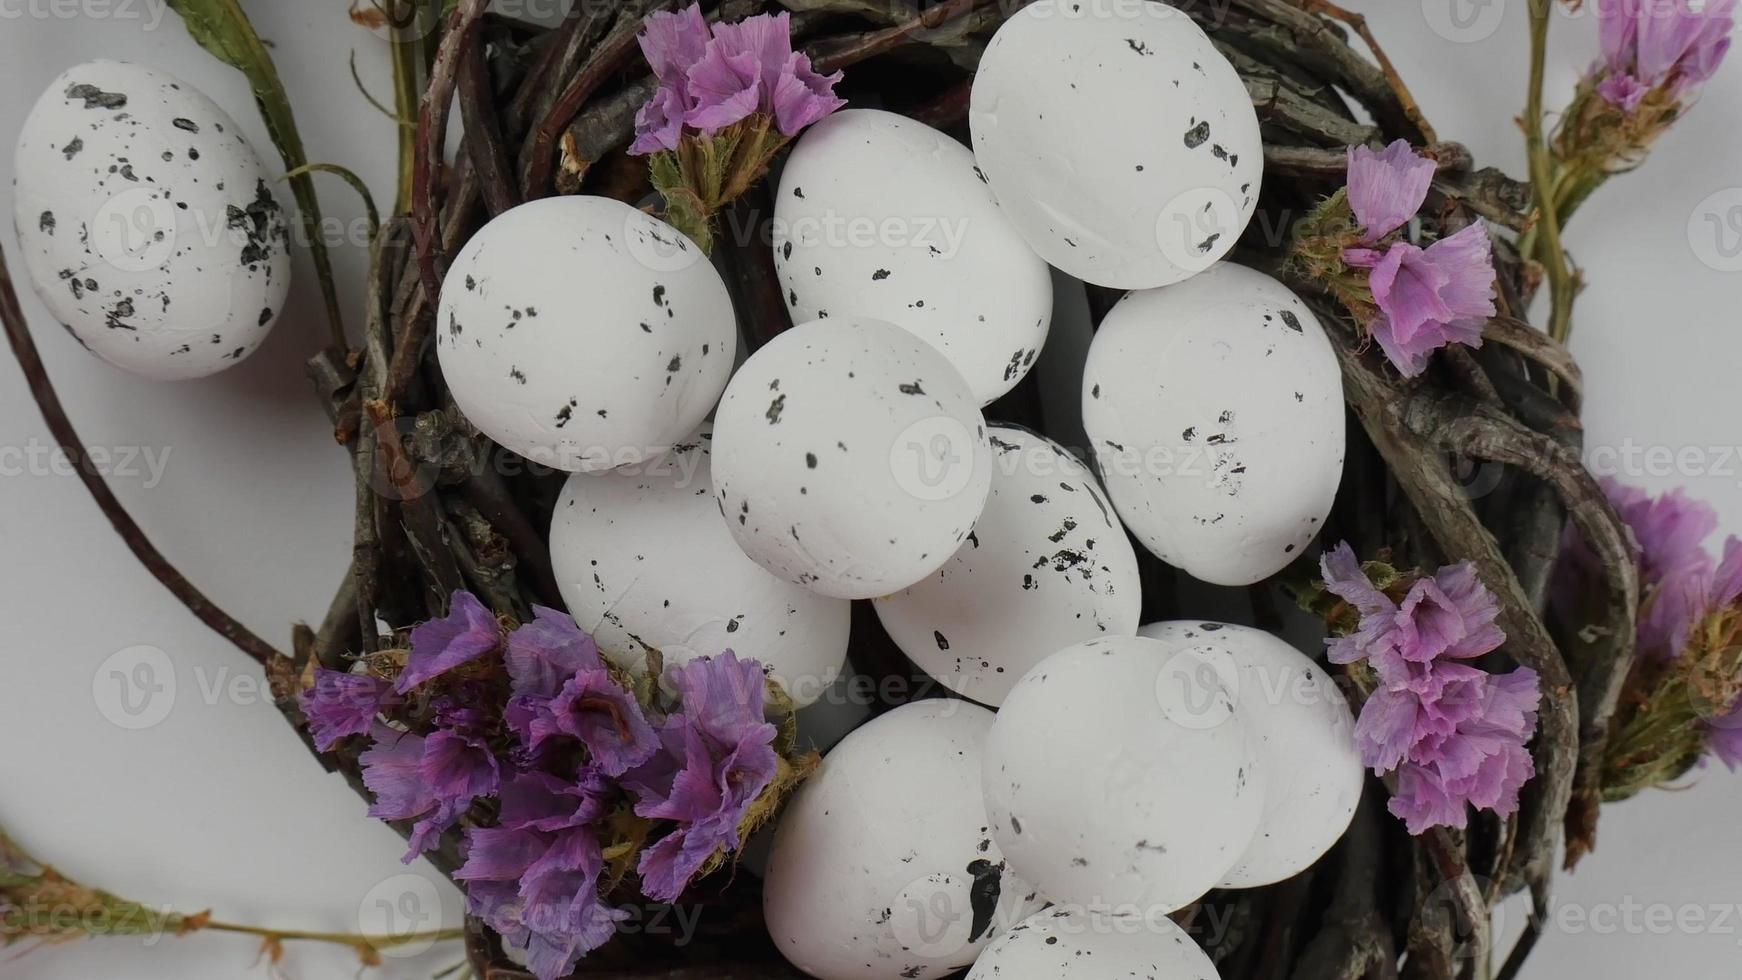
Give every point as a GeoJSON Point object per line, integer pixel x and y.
{"type": "Point", "coordinates": [341, 704]}
{"type": "Point", "coordinates": [1676, 573]}
{"type": "Point", "coordinates": [1651, 43]}
{"type": "Point", "coordinates": [540, 892]}
{"type": "Point", "coordinates": [750, 67]}
{"type": "Point", "coordinates": [717, 758]}
{"type": "Point", "coordinates": [546, 652]}
{"type": "Point", "coordinates": [1387, 188]}
{"type": "Point", "coordinates": [1429, 298]}
{"type": "Point", "coordinates": [541, 801]}
{"type": "Point", "coordinates": [535, 877]}
{"type": "Point", "coordinates": [467, 632]}
{"type": "Point", "coordinates": [672, 42]}
{"type": "Point", "coordinates": [711, 82]}
{"type": "Point", "coordinates": [1454, 734]}
{"type": "Point", "coordinates": [606, 719]}
{"type": "Point", "coordinates": [392, 770]}
{"type": "Point", "coordinates": [1449, 616]}
{"type": "Point", "coordinates": [458, 768]}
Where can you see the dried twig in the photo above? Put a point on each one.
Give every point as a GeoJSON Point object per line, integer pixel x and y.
{"type": "Point", "coordinates": [61, 427]}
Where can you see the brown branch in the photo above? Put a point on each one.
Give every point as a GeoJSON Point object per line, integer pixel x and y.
{"type": "Point", "coordinates": [538, 156]}
{"type": "Point", "coordinates": [61, 427]}
{"type": "Point", "coordinates": [432, 129]}
{"type": "Point", "coordinates": [483, 132]}
{"type": "Point", "coordinates": [1405, 99]}
{"type": "Point", "coordinates": [1541, 349]}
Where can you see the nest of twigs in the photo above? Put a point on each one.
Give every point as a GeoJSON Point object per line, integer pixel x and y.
{"type": "Point", "coordinates": [1477, 459]}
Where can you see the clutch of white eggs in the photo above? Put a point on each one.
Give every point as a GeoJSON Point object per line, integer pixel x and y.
{"type": "Point", "coordinates": [1112, 771]}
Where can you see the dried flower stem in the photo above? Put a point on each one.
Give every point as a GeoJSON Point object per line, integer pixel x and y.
{"type": "Point", "coordinates": [1563, 282]}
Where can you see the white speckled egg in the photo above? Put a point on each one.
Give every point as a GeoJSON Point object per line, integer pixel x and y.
{"type": "Point", "coordinates": [882, 865]}
{"type": "Point", "coordinates": [850, 457]}
{"type": "Point", "coordinates": [882, 216]}
{"type": "Point", "coordinates": [643, 561]}
{"type": "Point", "coordinates": [1122, 775]}
{"type": "Point", "coordinates": [1312, 771]}
{"type": "Point", "coordinates": [1047, 565]}
{"type": "Point", "coordinates": [147, 223]}
{"type": "Point", "coordinates": [1078, 944]}
{"type": "Point", "coordinates": [584, 334]}
{"type": "Point", "coordinates": [1121, 143]}
{"type": "Point", "coordinates": [1215, 409]}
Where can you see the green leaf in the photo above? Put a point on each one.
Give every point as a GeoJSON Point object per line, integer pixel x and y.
{"type": "Point", "coordinates": [222, 28]}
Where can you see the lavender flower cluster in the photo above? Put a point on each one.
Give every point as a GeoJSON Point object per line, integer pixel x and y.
{"type": "Point", "coordinates": [1682, 584]}
{"type": "Point", "coordinates": [533, 718]}
{"type": "Point", "coordinates": [709, 80]}
{"type": "Point", "coordinates": [1672, 46]}
{"type": "Point", "coordinates": [1427, 297]}
{"type": "Point", "coordinates": [1453, 733]}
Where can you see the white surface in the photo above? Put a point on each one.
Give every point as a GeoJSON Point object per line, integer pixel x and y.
{"type": "Point", "coordinates": [218, 806]}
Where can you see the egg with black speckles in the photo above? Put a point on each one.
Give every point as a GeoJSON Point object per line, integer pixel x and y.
{"type": "Point", "coordinates": [584, 334]}
{"type": "Point", "coordinates": [1313, 772]}
{"type": "Point", "coordinates": [850, 457]}
{"type": "Point", "coordinates": [1083, 944]}
{"type": "Point", "coordinates": [1048, 565]}
{"type": "Point", "coordinates": [1215, 411]}
{"type": "Point", "coordinates": [882, 216]}
{"type": "Point", "coordinates": [644, 562]}
{"type": "Point", "coordinates": [1122, 144]}
{"type": "Point", "coordinates": [1152, 739]}
{"type": "Point", "coordinates": [147, 223]}
{"type": "Point", "coordinates": [882, 866]}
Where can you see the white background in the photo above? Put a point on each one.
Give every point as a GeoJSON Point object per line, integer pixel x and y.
{"type": "Point", "coordinates": [218, 806]}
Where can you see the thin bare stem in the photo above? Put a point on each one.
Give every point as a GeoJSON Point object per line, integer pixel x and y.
{"type": "Point", "coordinates": [48, 402]}
{"type": "Point", "coordinates": [1563, 285]}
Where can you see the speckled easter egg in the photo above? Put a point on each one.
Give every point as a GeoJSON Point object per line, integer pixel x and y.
{"type": "Point", "coordinates": [1121, 143]}
{"type": "Point", "coordinates": [147, 223]}
{"type": "Point", "coordinates": [644, 562]}
{"type": "Point", "coordinates": [1121, 773]}
{"type": "Point", "coordinates": [1312, 771]}
{"type": "Point", "coordinates": [1081, 944]}
{"type": "Point", "coordinates": [882, 216]}
{"type": "Point", "coordinates": [584, 334]}
{"type": "Point", "coordinates": [1047, 565]}
{"type": "Point", "coordinates": [1215, 409]}
{"type": "Point", "coordinates": [850, 457]}
{"type": "Point", "coordinates": [882, 866]}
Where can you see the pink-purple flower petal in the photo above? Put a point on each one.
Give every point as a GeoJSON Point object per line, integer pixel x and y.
{"type": "Point", "coordinates": [1453, 734]}
{"type": "Point", "coordinates": [607, 719]}
{"type": "Point", "coordinates": [466, 633]}
{"type": "Point", "coordinates": [1387, 187]}
{"type": "Point", "coordinates": [543, 654]}
{"type": "Point", "coordinates": [1432, 297]}
{"type": "Point", "coordinates": [341, 704]}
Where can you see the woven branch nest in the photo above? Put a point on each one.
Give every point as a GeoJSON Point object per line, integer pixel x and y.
{"type": "Point", "coordinates": [550, 111]}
